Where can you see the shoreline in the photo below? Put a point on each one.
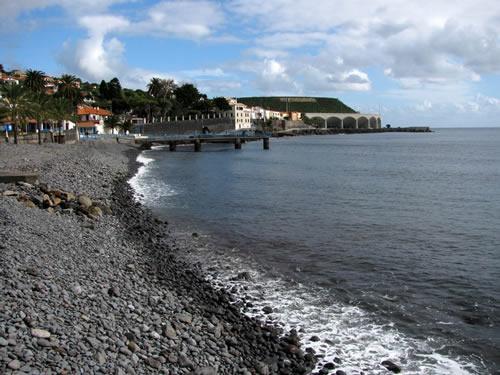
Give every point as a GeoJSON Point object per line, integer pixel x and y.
{"type": "Point", "coordinates": [114, 294]}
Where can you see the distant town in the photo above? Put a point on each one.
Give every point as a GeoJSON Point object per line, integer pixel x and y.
{"type": "Point", "coordinates": [35, 105]}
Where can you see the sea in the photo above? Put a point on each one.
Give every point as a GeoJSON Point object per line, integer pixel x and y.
{"type": "Point", "coordinates": [378, 246]}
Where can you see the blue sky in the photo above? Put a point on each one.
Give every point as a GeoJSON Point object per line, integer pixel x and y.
{"type": "Point", "coordinates": [418, 63]}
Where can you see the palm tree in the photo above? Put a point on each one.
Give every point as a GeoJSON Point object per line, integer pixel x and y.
{"type": "Point", "coordinates": [68, 89]}
{"type": "Point", "coordinates": [60, 110]}
{"type": "Point", "coordinates": [35, 81]}
{"type": "Point", "coordinates": [16, 102]}
{"type": "Point", "coordinates": [41, 111]}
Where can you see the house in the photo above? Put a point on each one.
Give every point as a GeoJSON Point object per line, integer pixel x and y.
{"type": "Point", "coordinates": [91, 119]}
{"type": "Point", "coordinates": [240, 113]}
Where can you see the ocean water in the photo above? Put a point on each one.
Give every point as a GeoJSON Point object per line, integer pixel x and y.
{"type": "Point", "coordinates": [385, 246]}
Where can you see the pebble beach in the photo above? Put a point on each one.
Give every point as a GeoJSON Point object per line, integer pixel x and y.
{"type": "Point", "coordinates": [92, 282]}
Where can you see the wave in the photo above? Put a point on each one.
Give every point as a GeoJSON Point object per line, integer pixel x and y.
{"type": "Point", "coordinates": [345, 335]}
{"type": "Point", "coordinates": [146, 188]}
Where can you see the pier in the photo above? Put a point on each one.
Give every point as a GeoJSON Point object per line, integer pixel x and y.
{"type": "Point", "coordinates": [173, 142]}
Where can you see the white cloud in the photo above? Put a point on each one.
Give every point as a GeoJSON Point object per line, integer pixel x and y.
{"type": "Point", "coordinates": [192, 19]}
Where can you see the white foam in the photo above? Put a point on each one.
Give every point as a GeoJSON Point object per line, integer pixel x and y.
{"type": "Point", "coordinates": [345, 332]}
{"type": "Point", "coordinates": [148, 189]}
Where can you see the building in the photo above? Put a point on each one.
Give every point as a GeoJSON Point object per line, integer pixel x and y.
{"type": "Point", "coordinates": [240, 113]}
{"type": "Point", "coordinates": [91, 119]}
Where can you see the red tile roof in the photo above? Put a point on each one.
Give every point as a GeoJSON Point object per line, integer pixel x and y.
{"type": "Point", "coordinates": [86, 110]}
{"type": "Point", "coordinates": [87, 124]}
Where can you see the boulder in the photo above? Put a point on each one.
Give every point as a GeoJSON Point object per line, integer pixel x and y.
{"type": "Point", "coordinates": [84, 201]}
{"type": "Point", "coordinates": [391, 366]}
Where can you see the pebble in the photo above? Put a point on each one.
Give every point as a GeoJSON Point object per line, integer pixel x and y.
{"type": "Point", "coordinates": [14, 365]}
{"type": "Point", "coordinates": [40, 333]}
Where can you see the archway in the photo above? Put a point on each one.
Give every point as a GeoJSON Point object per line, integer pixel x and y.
{"type": "Point", "coordinates": [334, 123]}
{"type": "Point", "coordinates": [379, 123]}
{"type": "Point", "coordinates": [373, 123]}
{"type": "Point", "coordinates": [349, 123]}
{"type": "Point", "coordinates": [363, 123]}
{"type": "Point", "coordinates": [317, 121]}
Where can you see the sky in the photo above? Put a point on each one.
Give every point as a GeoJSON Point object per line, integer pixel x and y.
{"type": "Point", "coordinates": [427, 62]}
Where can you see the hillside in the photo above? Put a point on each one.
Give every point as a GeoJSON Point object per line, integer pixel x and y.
{"type": "Point", "coordinates": [298, 104]}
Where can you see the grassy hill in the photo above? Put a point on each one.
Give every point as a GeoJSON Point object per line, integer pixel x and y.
{"type": "Point", "coordinates": [298, 104]}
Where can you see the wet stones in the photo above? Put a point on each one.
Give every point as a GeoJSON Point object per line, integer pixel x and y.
{"type": "Point", "coordinates": [391, 366]}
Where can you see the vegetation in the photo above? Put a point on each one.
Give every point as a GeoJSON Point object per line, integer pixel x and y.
{"type": "Point", "coordinates": [298, 104]}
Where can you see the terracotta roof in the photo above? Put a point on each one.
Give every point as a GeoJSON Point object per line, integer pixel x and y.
{"type": "Point", "coordinates": [86, 110]}
{"type": "Point", "coordinates": [87, 124]}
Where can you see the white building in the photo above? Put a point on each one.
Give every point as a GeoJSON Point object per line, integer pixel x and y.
{"type": "Point", "coordinates": [240, 113]}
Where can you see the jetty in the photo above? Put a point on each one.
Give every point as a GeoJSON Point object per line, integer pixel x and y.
{"type": "Point", "coordinates": [197, 141]}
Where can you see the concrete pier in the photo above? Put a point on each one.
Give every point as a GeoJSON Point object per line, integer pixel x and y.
{"type": "Point", "coordinates": [265, 143]}
{"type": "Point", "coordinates": [237, 144]}
{"type": "Point", "coordinates": [197, 145]}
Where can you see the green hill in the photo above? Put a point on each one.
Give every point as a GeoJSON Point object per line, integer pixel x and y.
{"type": "Point", "coordinates": [297, 104]}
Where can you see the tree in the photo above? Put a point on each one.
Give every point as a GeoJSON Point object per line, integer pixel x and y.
{"type": "Point", "coordinates": [126, 126]}
{"type": "Point", "coordinates": [221, 103]}
{"type": "Point", "coordinates": [187, 95]}
{"type": "Point", "coordinates": [41, 111]}
{"type": "Point", "coordinates": [112, 122]}
{"type": "Point", "coordinates": [68, 88]}
{"type": "Point", "coordinates": [114, 89]}
{"type": "Point", "coordinates": [161, 88]}
{"type": "Point", "coordinates": [103, 90]}
{"type": "Point", "coordinates": [16, 102]}
{"type": "Point", "coordinates": [35, 81]}
{"type": "Point", "coordinates": [60, 109]}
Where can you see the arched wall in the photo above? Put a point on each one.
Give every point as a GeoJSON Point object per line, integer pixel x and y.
{"type": "Point", "coordinates": [373, 123]}
{"type": "Point", "coordinates": [363, 122]}
{"type": "Point", "coordinates": [350, 123]}
{"type": "Point", "coordinates": [334, 123]}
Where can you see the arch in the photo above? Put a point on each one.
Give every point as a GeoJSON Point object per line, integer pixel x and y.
{"type": "Point", "coordinates": [334, 123]}
{"type": "Point", "coordinates": [349, 122]}
{"type": "Point", "coordinates": [373, 122]}
{"type": "Point", "coordinates": [317, 121]}
{"type": "Point", "coordinates": [379, 123]}
{"type": "Point", "coordinates": [363, 122]}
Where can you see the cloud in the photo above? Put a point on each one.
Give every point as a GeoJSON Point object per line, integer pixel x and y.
{"type": "Point", "coordinates": [186, 19]}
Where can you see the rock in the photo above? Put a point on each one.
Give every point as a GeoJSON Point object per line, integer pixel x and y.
{"type": "Point", "coordinates": [185, 317]}
{"type": "Point", "coordinates": [340, 372]}
{"type": "Point", "coordinates": [244, 276]}
{"type": "Point", "coordinates": [77, 289]}
{"type": "Point", "coordinates": [40, 333]}
{"type": "Point", "coordinates": [267, 309]}
{"type": "Point", "coordinates": [101, 357]}
{"type": "Point", "coordinates": [184, 361]}
{"type": "Point", "coordinates": [56, 201]}
{"type": "Point", "coordinates": [9, 193]}
{"type": "Point", "coordinates": [195, 235]}
{"type": "Point", "coordinates": [84, 201]}
{"type": "Point", "coordinates": [170, 332]}
{"type": "Point", "coordinates": [154, 363]}
{"type": "Point", "coordinates": [95, 211]}
{"type": "Point", "coordinates": [172, 358]}
{"type": "Point", "coordinates": [45, 343]}
{"type": "Point", "coordinates": [314, 338]}
{"type": "Point", "coordinates": [329, 366]}
{"type": "Point", "coordinates": [262, 368]}
{"type": "Point", "coordinates": [69, 196]}
{"type": "Point", "coordinates": [205, 371]}
{"type": "Point", "coordinates": [29, 204]}
{"type": "Point", "coordinates": [25, 184]}
{"type": "Point", "coordinates": [391, 366]}
{"type": "Point", "coordinates": [133, 347]}
{"type": "Point", "coordinates": [155, 335]}
{"type": "Point", "coordinates": [114, 291]}
{"type": "Point", "coordinates": [14, 365]}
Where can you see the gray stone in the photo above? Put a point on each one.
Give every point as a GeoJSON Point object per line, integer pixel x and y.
{"type": "Point", "coordinates": [14, 365]}
{"type": "Point", "coordinates": [84, 201]}
{"type": "Point", "coordinates": [185, 317]}
{"type": "Point", "coordinates": [3, 342]}
{"type": "Point", "coordinates": [40, 333]}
